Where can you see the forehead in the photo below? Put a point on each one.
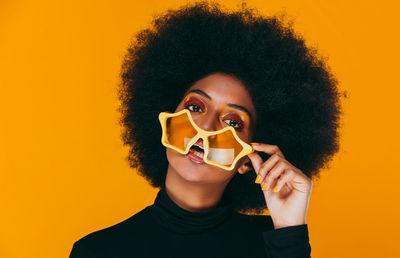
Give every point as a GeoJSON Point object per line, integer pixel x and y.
{"type": "Point", "coordinates": [224, 89]}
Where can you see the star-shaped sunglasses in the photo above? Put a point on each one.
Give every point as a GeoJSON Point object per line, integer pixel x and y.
{"type": "Point", "coordinates": [222, 148]}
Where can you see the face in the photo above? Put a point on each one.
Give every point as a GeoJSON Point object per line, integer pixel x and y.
{"type": "Point", "coordinates": [215, 102]}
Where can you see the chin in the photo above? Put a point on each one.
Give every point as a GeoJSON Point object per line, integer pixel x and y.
{"type": "Point", "coordinates": [193, 172]}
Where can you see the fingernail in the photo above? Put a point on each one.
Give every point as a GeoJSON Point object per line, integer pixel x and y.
{"type": "Point", "coordinates": [257, 179]}
{"type": "Point", "coordinates": [264, 186]}
{"type": "Point", "coordinates": [275, 189]}
{"type": "Point", "coordinates": [255, 143]}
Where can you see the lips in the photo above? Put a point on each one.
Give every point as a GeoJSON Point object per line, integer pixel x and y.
{"type": "Point", "coordinates": [194, 158]}
{"type": "Point", "coordinates": [196, 152]}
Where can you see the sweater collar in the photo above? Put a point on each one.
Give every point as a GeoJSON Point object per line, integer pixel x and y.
{"type": "Point", "coordinates": [174, 218]}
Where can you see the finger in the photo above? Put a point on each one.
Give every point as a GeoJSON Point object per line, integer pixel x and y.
{"type": "Point", "coordinates": [256, 161]}
{"type": "Point", "coordinates": [278, 169]}
{"type": "Point", "coordinates": [267, 148]}
{"type": "Point", "coordinates": [267, 165]}
{"type": "Point", "coordinates": [285, 178]}
{"type": "Point", "coordinates": [273, 183]}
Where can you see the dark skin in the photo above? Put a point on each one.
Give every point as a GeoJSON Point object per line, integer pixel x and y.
{"type": "Point", "coordinates": [217, 101]}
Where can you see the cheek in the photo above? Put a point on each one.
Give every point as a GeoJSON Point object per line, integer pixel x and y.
{"type": "Point", "coordinates": [175, 159]}
{"type": "Point", "coordinates": [171, 155]}
{"type": "Point", "coordinates": [246, 134]}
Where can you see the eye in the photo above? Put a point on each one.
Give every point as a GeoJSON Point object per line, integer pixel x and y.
{"type": "Point", "coordinates": [194, 105]}
{"type": "Point", "coordinates": [194, 108]}
{"type": "Point", "coordinates": [233, 123]}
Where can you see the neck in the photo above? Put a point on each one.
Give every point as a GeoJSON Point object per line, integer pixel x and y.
{"type": "Point", "coordinates": [192, 196]}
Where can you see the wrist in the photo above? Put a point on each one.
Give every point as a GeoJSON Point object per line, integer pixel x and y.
{"type": "Point", "coordinates": [283, 224]}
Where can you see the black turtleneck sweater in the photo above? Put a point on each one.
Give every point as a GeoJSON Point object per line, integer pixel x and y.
{"type": "Point", "coordinates": [164, 229]}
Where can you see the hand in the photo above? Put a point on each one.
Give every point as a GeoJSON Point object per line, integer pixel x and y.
{"type": "Point", "coordinates": [289, 203]}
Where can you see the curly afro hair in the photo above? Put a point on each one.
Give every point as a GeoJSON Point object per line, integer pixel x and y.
{"type": "Point", "coordinates": [295, 94]}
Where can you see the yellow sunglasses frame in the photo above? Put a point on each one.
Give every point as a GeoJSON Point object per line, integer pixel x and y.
{"type": "Point", "coordinates": [163, 116]}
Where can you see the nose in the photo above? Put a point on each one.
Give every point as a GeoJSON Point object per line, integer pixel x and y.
{"type": "Point", "coordinates": [208, 122]}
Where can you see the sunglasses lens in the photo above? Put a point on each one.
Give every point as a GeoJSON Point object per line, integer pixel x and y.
{"type": "Point", "coordinates": [223, 148]}
{"type": "Point", "coordinates": [179, 131]}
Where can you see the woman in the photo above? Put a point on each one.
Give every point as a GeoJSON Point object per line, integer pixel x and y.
{"type": "Point", "coordinates": [238, 70]}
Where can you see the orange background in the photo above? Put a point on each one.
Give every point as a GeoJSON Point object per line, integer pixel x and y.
{"type": "Point", "coordinates": [62, 163]}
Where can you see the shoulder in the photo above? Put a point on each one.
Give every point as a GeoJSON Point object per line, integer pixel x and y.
{"type": "Point", "coordinates": [101, 240]}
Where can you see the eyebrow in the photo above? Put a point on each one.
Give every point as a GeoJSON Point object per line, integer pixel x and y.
{"type": "Point", "coordinates": [202, 93]}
